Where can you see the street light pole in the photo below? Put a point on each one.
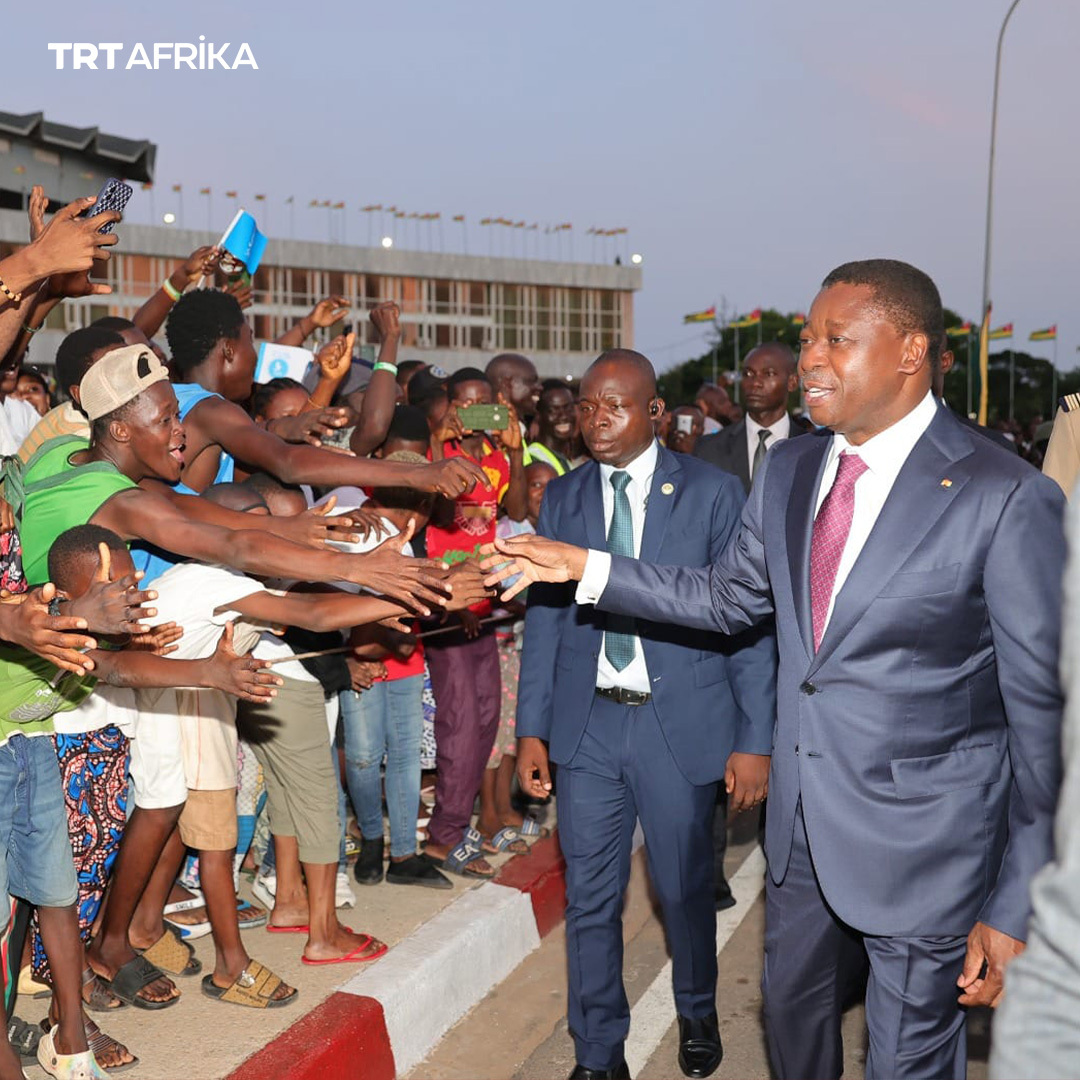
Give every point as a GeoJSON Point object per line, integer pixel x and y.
{"type": "Point", "coordinates": [990, 170]}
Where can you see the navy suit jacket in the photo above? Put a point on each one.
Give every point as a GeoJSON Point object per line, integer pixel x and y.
{"type": "Point", "coordinates": [923, 736]}
{"type": "Point", "coordinates": [713, 694]}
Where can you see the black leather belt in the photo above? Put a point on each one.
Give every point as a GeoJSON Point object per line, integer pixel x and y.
{"type": "Point", "coordinates": [623, 697]}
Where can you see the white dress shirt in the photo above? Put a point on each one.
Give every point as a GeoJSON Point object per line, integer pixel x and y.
{"type": "Point", "coordinates": [884, 455]}
{"type": "Point", "coordinates": [635, 676]}
{"type": "Point", "coordinates": [777, 432]}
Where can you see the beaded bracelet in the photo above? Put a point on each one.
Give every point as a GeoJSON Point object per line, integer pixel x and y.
{"type": "Point", "coordinates": [13, 297]}
{"type": "Point", "coordinates": [170, 290]}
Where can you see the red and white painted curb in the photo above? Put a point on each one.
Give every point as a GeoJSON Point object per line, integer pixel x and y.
{"type": "Point", "coordinates": [391, 1015]}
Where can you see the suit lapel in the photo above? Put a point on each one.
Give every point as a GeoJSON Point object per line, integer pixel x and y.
{"type": "Point", "coordinates": [739, 456]}
{"type": "Point", "coordinates": [591, 506]}
{"type": "Point", "coordinates": [658, 508]}
{"type": "Point", "coordinates": [800, 523]}
{"type": "Point", "coordinates": [917, 499]}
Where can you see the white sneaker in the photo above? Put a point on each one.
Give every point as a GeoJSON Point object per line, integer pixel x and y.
{"type": "Point", "coordinates": [264, 889]}
{"type": "Point", "coordinates": [343, 894]}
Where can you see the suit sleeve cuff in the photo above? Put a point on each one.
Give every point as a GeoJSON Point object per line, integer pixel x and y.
{"type": "Point", "coordinates": [594, 580]}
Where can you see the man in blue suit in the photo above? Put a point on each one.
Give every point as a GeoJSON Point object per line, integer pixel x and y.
{"type": "Point", "coordinates": [914, 569]}
{"type": "Point", "coordinates": [642, 719]}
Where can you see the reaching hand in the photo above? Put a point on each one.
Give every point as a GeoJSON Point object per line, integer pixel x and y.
{"type": "Point", "coordinates": [159, 640]}
{"type": "Point", "coordinates": [746, 780]}
{"type": "Point", "coordinates": [452, 477]}
{"type": "Point", "coordinates": [335, 359]}
{"type": "Point", "coordinates": [450, 427]}
{"type": "Point", "coordinates": [386, 318]}
{"type": "Point", "coordinates": [202, 262]}
{"type": "Point", "coordinates": [315, 527]}
{"type": "Point", "coordinates": [534, 772]}
{"type": "Point", "coordinates": [416, 583]}
{"type": "Point", "coordinates": [309, 427]}
{"type": "Point", "coordinates": [509, 438]}
{"type": "Point", "coordinates": [69, 243]}
{"type": "Point", "coordinates": [242, 676]}
{"type": "Point", "coordinates": [25, 621]}
{"type": "Point", "coordinates": [467, 580]}
{"type": "Point", "coordinates": [535, 558]}
{"type": "Point", "coordinates": [113, 606]}
{"type": "Point", "coordinates": [989, 952]}
{"type": "Point", "coordinates": [329, 311]}
{"type": "Point", "coordinates": [241, 291]}
{"type": "Point", "coordinates": [369, 522]}
{"type": "Point", "coordinates": [364, 673]}
{"type": "Point", "coordinates": [35, 209]}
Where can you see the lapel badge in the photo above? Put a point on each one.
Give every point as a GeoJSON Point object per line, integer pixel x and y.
{"type": "Point", "coordinates": [667, 489]}
{"type": "Point", "coordinates": [946, 483]}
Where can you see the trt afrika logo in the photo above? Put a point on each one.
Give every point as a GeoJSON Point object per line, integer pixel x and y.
{"type": "Point", "coordinates": [203, 56]}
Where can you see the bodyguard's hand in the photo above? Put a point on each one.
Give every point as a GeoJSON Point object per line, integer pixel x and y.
{"type": "Point", "coordinates": [534, 772]}
{"type": "Point", "coordinates": [746, 779]}
{"type": "Point", "coordinates": [535, 558]}
{"type": "Point", "coordinates": [989, 952]}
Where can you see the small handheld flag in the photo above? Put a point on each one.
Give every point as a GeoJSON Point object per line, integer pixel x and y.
{"type": "Point", "coordinates": [243, 240]}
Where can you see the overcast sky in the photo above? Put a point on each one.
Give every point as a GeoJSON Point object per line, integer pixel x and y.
{"type": "Point", "coordinates": [748, 145]}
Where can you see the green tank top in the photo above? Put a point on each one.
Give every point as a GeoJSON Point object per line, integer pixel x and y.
{"type": "Point", "coordinates": [57, 496]}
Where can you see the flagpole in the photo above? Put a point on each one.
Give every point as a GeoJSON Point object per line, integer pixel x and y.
{"type": "Point", "coordinates": [736, 378]}
{"type": "Point", "coordinates": [970, 379]}
{"type": "Point", "coordinates": [1012, 370]}
{"type": "Point", "coordinates": [990, 169]}
{"type": "Point", "coordinates": [1053, 377]}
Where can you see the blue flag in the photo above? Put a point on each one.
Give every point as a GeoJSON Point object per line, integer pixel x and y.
{"type": "Point", "coordinates": [244, 241]}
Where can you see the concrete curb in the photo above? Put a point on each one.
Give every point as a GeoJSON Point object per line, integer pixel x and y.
{"type": "Point", "coordinates": [389, 1016]}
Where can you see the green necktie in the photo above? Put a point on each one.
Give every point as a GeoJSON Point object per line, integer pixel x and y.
{"type": "Point", "coordinates": [619, 633]}
{"type": "Point", "coordinates": [763, 437]}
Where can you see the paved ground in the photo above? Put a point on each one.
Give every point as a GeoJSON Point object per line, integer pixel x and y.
{"type": "Point", "coordinates": [519, 1030]}
{"type": "Point", "coordinates": [202, 1039]}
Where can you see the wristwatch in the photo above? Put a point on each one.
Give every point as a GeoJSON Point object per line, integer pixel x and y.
{"type": "Point", "coordinates": [54, 605]}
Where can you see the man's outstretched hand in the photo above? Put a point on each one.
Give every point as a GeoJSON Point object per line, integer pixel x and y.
{"type": "Point", "coordinates": [988, 954]}
{"type": "Point", "coordinates": [535, 558]}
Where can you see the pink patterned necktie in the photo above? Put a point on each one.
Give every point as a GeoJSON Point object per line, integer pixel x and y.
{"type": "Point", "coordinates": [831, 528]}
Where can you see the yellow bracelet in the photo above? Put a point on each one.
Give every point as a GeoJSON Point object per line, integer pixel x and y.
{"type": "Point", "coordinates": [170, 290]}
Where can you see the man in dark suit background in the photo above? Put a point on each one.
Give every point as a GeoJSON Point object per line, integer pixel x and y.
{"type": "Point", "coordinates": [916, 761]}
{"type": "Point", "coordinates": [643, 720]}
{"type": "Point", "coordinates": [769, 377]}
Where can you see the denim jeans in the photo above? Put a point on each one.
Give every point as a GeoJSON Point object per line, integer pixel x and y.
{"type": "Point", "coordinates": [387, 719]}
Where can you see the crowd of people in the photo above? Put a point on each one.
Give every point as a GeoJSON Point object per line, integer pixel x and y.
{"type": "Point", "coordinates": [271, 629]}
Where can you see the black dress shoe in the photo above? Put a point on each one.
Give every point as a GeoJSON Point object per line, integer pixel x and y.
{"type": "Point", "coordinates": [620, 1072]}
{"type": "Point", "coordinates": [723, 897]}
{"type": "Point", "coordinates": [700, 1049]}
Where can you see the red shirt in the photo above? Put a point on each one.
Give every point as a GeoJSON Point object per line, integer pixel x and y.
{"type": "Point", "coordinates": [474, 513]}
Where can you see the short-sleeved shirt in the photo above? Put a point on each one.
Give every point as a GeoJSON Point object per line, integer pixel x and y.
{"type": "Point", "coordinates": [32, 690]}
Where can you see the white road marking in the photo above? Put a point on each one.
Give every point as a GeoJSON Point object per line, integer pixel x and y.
{"type": "Point", "coordinates": [654, 1013]}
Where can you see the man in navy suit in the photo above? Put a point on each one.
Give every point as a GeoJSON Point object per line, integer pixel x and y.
{"type": "Point", "coordinates": [642, 719]}
{"type": "Point", "coordinates": [914, 570]}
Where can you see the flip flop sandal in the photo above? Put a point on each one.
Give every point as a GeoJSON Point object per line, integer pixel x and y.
{"type": "Point", "coordinates": [101, 1000]}
{"type": "Point", "coordinates": [250, 915]}
{"type": "Point", "coordinates": [530, 828]}
{"type": "Point", "coordinates": [130, 978]}
{"type": "Point", "coordinates": [463, 856]}
{"type": "Point", "coordinates": [286, 929]}
{"type": "Point", "coordinates": [187, 931]}
{"type": "Point", "coordinates": [507, 839]}
{"type": "Point", "coordinates": [172, 955]}
{"type": "Point", "coordinates": [99, 1044]}
{"type": "Point", "coordinates": [24, 1038]}
{"type": "Point", "coordinates": [254, 987]}
{"type": "Point", "coordinates": [355, 957]}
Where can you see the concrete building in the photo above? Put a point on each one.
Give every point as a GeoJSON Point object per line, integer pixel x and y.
{"type": "Point", "coordinates": [457, 310]}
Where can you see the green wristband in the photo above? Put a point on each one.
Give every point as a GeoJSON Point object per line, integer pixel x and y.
{"type": "Point", "coordinates": [383, 366]}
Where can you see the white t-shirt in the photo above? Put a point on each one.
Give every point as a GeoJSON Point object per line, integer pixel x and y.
{"type": "Point", "coordinates": [17, 420]}
{"type": "Point", "coordinates": [106, 705]}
